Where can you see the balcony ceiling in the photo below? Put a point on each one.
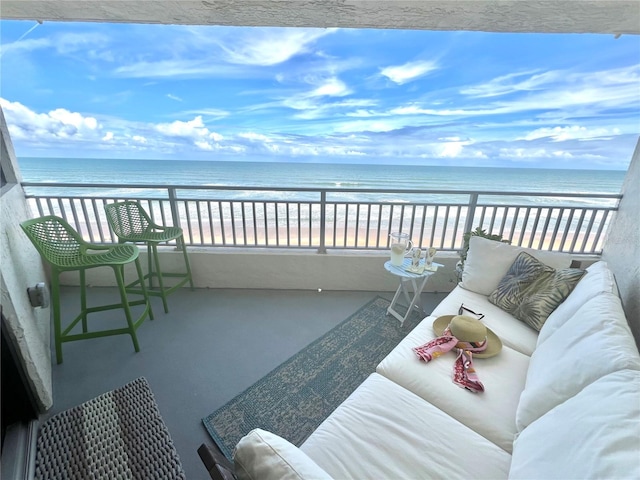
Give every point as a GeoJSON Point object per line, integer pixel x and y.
{"type": "Point", "coordinates": [544, 16]}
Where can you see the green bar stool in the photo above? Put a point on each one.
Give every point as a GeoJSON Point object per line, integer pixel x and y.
{"type": "Point", "coordinates": [131, 223]}
{"type": "Point", "coordinates": [64, 249]}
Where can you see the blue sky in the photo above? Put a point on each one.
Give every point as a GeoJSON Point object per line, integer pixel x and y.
{"type": "Point", "coordinates": [325, 95]}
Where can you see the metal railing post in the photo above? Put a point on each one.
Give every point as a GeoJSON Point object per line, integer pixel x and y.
{"type": "Point", "coordinates": [173, 205]}
{"type": "Point", "coordinates": [471, 212]}
{"type": "Point", "coordinates": [323, 221]}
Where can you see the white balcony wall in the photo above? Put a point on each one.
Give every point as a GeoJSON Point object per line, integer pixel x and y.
{"type": "Point", "coordinates": [281, 269]}
{"type": "Point", "coordinates": [622, 245]}
{"type": "Point", "coordinates": [21, 268]}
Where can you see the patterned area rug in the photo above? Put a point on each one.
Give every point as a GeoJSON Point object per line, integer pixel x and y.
{"type": "Point", "coordinates": [297, 396]}
{"type": "Point", "coordinates": [119, 434]}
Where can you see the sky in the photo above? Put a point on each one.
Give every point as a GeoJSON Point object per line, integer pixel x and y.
{"type": "Point", "coordinates": [92, 90]}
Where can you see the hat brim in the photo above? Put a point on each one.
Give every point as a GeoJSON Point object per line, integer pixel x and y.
{"type": "Point", "coordinates": [494, 344]}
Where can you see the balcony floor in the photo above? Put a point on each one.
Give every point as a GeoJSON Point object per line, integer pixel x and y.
{"type": "Point", "coordinates": [213, 344]}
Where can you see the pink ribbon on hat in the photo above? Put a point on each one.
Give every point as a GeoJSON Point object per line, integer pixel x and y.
{"type": "Point", "coordinates": [464, 375]}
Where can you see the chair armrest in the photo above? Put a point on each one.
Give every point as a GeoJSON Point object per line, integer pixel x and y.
{"type": "Point", "coordinates": [218, 466]}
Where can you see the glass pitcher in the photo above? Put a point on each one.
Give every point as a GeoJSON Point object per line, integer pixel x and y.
{"type": "Point", "coordinates": [400, 245]}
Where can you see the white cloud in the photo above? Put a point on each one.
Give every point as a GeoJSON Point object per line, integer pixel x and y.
{"type": "Point", "coordinates": [209, 112]}
{"type": "Point", "coordinates": [25, 46]}
{"type": "Point", "coordinates": [543, 152]}
{"type": "Point", "coordinates": [331, 87]}
{"type": "Point", "coordinates": [367, 126]}
{"type": "Point", "coordinates": [107, 137]}
{"type": "Point", "coordinates": [255, 136]}
{"type": "Point", "coordinates": [139, 139]}
{"type": "Point", "coordinates": [577, 93]}
{"type": "Point", "coordinates": [216, 137]}
{"type": "Point", "coordinates": [191, 129]}
{"type": "Point", "coordinates": [523, 153]}
{"type": "Point", "coordinates": [512, 82]}
{"type": "Point", "coordinates": [200, 52]}
{"type": "Point", "coordinates": [416, 110]}
{"type": "Point", "coordinates": [401, 74]}
{"type": "Point", "coordinates": [74, 119]}
{"type": "Point", "coordinates": [194, 131]}
{"type": "Point", "coordinates": [195, 68]}
{"type": "Point", "coordinates": [451, 147]}
{"type": "Point", "coordinates": [270, 46]}
{"type": "Point", "coordinates": [574, 132]}
{"type": "Point", "coordinates": [55, 125]}
{"type": "Point", "coordinates": [319, 101]}
{"type": "Point", "coordinates": [63, 44]}
{"type": "Point", "coordinates": [202, 145]}
{"type": "Point", "coordinates": [362, 113]}
{"type": "Point", "coordinates": [557, 96]}
{"type": "Point", "coordinates": [174, 97]}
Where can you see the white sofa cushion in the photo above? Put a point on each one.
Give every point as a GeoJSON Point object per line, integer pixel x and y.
{"type": "Point", "coordinates": [513, 333]}
{"type": "Point", "coordinates": [384, 431]}
{"type": "Point", "coordinates": [594, 342]}
{"type": "Point", "coordinates": [491, 413]}
{"type": "Point", "coordinates": [488, 261]}
{"type": "Point", "coordinates": [595, 434]}
{"type": "Point", "coordinates": [262, 455]}
{"type": "Point", "coordinates": [598, 279]}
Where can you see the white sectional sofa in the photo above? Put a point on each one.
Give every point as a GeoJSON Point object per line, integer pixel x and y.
{"type": "Point", "coordinates": [560, 403]}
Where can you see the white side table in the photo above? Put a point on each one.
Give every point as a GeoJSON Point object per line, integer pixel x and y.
{"type": "Point", "coordinates": [417, 281]}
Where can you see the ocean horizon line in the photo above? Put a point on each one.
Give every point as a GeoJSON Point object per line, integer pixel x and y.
{"type": "Point", "coordinates": [328, 162]}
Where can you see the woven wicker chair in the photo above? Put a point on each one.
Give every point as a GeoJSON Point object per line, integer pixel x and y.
{"type": "Point", "coordinates": [131, 223]}
{"type": "Point", "coordinates": [65, 250]}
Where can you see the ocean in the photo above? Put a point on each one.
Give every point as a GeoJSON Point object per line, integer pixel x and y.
{"type": "Point", "coordinates": [317, 176]}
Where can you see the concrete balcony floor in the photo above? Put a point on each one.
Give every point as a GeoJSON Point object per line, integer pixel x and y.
{"type": "Point", "coordinates": [212, 345]}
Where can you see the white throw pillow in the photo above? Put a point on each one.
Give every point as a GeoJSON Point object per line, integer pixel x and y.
{"type": "Point", "coordinates": [598, 279]}
{"type": "Point", "coordinates": [594, 342]}
{"type": "Point", "coordinates": [488, 262]}
{"type": "Point", "coordinates": [262, 455]}
{"type": "Point", "coordinates": [592, 435]}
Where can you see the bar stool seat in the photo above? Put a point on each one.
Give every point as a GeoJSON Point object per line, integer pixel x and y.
{"type": "Point", "coordinates": [150, 235]}
{"type": "Point", "coordinates": [64, 250]}
{"type": "Point", "coordinates": [131, 223]}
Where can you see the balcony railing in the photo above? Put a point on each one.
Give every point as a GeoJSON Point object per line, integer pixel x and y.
{"type": "Point", "coordinates": [321, 219]}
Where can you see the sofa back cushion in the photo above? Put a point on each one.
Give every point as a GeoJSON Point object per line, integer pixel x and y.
{"type": "Point", "coordinates": [594, 342]}
{"type": "Point", "coordinates": [592, 435]}
{"type": "Point", "coordinates": [598, 279]}
{"type": "Point", "coordinates": [488, 262]}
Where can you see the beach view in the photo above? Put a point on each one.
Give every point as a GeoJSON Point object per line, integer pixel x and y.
{"type": "Point", "coordinates": [307, 137]}
{"type": "Point", "coordinates": [294, 238]}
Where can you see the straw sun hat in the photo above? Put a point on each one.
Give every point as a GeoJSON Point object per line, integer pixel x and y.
{"type": "Point", "coordinates": [468, 329]}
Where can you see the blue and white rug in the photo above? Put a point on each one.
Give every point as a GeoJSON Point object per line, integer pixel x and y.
{"type": "Point", "coordinates": [292, 400]}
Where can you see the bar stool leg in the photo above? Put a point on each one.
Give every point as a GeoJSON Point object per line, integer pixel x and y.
{"type": "Point", "coordinates": [144, 289]}
{"type": "Point", "coordinates": [83, 300]}
{"type": "Point", "coordinates": [119, 273]}
{"type": "Point", "coordinates": [154, 247]}
{"type": "Point", "coordinates": [186, 261]}
{"type": "Point", "coordinates": [55, 300]}
{"type": "Point", "coordinates": [150, 265]}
